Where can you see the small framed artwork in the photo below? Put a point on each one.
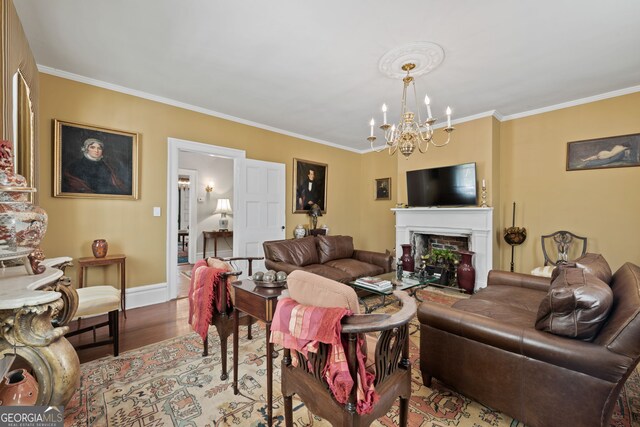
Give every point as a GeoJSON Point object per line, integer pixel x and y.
{"type": "Point", "coordinates": [94, 162]}
{"type": "Point", "coordinates": [611, 152]}
{"type": "Point", "coordinates": [309, 185]}
{"type": "Point", "coordinates": [383, 189]}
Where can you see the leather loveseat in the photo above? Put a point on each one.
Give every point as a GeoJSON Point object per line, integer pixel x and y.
{"type": "Point", "coordinates": [547, 352]}
{"type": "Point", "coordinates": [329, 256]}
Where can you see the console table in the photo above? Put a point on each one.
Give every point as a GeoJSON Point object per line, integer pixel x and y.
{"type": "Point", "coordinates": [119, 260]}
{"type": "Point", "coordinates": [30, 306]}
{"type": "Point", "coordinates": [213, 235]}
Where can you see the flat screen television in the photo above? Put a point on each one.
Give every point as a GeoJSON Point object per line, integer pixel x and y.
{"type": "Point", "coordinates": [445, 186]}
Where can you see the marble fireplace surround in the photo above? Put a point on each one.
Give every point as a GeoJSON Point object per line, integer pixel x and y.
{"type": "Point", "coordinates": [473, 222]}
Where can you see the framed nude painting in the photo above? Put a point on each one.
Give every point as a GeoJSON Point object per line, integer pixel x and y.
{"type": "Point", "coordinates": [309, 185]}
{"type": "Point", "coordinates": [383, 189]}
{"type": "Point", "coordinates": [94, 162]}
{"type": "Point", "coordinates": [611, 152]}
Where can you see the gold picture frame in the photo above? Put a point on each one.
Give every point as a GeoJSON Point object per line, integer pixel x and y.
{"type": "Point", "coordinates": [304, 194]}
{"type": "Point", "coordinates": [94, 162]}
{"type": "Point", "coordinates": [383, 189]}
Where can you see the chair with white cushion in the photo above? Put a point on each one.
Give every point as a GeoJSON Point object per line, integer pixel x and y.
{"type": "Point", "coordinates": [560, 247]}
{"type": "Point", "coordinates": [94, 301]}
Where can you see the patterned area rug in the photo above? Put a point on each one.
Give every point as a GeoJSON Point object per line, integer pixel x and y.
{"type": "Point", "coordinates": [171, 384]}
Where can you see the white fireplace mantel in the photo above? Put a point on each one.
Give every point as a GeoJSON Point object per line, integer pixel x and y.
{"type": "Point", "coordinates": [474, 222]}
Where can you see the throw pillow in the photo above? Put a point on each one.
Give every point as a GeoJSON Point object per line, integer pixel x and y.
{"type": "Point", "coordinates": [596, 265]}
{"type": "Point", "coordinates": [334, 247]}
{"type": "Point", "coordinates": [576, 306]}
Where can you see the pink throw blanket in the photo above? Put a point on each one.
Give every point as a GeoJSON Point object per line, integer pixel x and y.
{"type": "Point", "coordinates": [301, 327]}
{"type": "Point", "coordinates": [203, 293]}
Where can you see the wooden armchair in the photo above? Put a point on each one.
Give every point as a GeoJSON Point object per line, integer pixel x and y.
{"type": "Point", "coordinates": [390, 354]}
{"type": "Point", "coordinates": [223, 321]}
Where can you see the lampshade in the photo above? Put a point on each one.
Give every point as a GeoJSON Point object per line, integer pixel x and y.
{"type": "Point", "coordinates": [223, 207]}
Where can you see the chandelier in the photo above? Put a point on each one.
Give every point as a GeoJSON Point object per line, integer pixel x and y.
{"type": "Point", "coordinates": [410, 133]}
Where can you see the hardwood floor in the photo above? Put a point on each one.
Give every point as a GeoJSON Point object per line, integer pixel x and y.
{"type": "Point", "coordinates": [143, 326]}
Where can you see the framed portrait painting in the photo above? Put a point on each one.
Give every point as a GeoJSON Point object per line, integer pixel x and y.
{"type": "Point", "coordinates": [612, 152]}
{"type": "Point", "coordinates": [94, 162]}
{"type": "Point", "coordinates": [383, 189]}
{"type": "Point", "coordinates": [309, 185]}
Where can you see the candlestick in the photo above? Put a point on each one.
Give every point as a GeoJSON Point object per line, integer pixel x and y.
{"type": "Point", "coordinates": [484, 195]}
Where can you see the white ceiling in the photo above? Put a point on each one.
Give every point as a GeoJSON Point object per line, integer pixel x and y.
{"type": "Point", "coordinates": [311, 68]}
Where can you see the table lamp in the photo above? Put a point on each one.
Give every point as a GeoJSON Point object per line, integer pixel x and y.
{"type": "Point", "coordinates": [223, 208]}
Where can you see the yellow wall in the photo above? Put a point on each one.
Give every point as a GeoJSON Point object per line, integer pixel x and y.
{"type": "Point", "coordinates": [129, 226]}
{"type": "Point", "coordinates": [522, 160]}
{"type": "Point", "coordinates": [601, 204]}
{"type": "Point", "coordinates": [378, 224]}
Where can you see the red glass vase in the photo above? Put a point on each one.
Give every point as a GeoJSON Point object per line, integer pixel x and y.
{"type": "Point", "coordinates": [466, 273]}
{"type": "Point", "coordinates": [408, 263]}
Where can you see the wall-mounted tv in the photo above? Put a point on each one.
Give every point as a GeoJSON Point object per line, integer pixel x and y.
{"type": "Point", "coordinates": [445, 186]}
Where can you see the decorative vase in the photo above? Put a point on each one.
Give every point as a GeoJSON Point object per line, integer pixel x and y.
{"type": "Point", "coordinates": [408, 263]}
{"type": "Point", "coordinates": [23, 224]}
{"type": "Point", "coordinates": [100, 248]}
{"type": "Point", "coordinates": [466, 272]}
{"type": "Point", "coordinates": [299, 232]}
{"type": "Point", "coordinates": [18, 388]}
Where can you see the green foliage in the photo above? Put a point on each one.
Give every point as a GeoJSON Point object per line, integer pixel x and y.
{"type": "Point", "coordinates": [441, 257]}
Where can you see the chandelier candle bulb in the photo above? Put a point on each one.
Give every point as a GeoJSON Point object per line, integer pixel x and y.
{"type": "Point", "coordinates": [372, 122]}
{"type": "Point", "coordinates": [384, 115]}
{"type": "Point", "coordinates": [428, 102]}
{"type": "Point", "coordinates": [448, 117]}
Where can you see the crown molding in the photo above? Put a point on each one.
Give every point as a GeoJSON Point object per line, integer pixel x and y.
{"type": "Point", "coordinates": [576, 102]}
{"type": "Point", "coordinates": [174, 103]}
{"type": "Point", "coordinates": [168, 101]}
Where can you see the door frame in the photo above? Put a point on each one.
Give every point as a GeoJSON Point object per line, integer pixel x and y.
{"type": "Point", "coordinates": [176, 145]}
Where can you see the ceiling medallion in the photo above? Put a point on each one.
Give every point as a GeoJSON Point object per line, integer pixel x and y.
{"type": "Point", "coordinates": [411, 132]}
{"type": "Point", "coordinates": [426, 56]}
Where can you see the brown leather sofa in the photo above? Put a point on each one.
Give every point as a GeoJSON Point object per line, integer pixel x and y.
{"type": "Point", "coordinates": [530, 347]}
{"type": "Point", "coordinates": [329, 256]}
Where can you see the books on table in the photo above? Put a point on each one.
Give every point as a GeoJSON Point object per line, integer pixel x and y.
{"type": "Point", "coordinates": [374, 283]}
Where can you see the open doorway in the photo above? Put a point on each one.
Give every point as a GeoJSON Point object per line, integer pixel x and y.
{"type": "Point", "coordinates": [212, 172]}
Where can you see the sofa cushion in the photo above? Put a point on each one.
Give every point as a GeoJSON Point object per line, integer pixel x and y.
{"type": "Point", "coordinates": [592, 263]}
{"type": "Point", "coordinates": [355, 268]}
{"type": "Point", "coordinates": [293, 251]}
{"type": "Point", "coordinates": [517, 297]}
{"type": "Point", "coordinates": [509, 314]}
{"type": "Point", "coordinates": [328, 272]}
{"type": "Point", "coordinates": [576, 306]}
{"type": "Point", "coordinates": [334, 247]}
{"type": "Point", "coordinates": [310, 289]}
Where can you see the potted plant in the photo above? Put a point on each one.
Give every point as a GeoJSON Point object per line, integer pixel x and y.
{"type": "Point", "coordinates": [442, 261]}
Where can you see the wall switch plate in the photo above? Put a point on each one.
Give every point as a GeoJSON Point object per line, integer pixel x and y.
{"type": "Point", "coordinates": [156, 211]}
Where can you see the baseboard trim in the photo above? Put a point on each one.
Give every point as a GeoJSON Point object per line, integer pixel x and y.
{"type": "Point", "coordinates": [141, 296]}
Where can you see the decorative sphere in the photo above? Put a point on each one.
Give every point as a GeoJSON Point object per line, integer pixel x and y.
{"type": "Point", "coordinates": [281, 276]}
{"type": "Point", "coordinates": [269, 276]}
{"type": "Point", "coordinates": [258, 275]}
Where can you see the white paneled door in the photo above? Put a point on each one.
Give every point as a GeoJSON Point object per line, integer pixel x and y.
{"type": "Point", "coordinates": [260, 207]}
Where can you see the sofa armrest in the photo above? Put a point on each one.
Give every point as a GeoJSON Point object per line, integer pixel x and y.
{"type": "Point", "coordinates": [575, 355]}
{"type": "Point", "coordinates": [281, 266]}
{"type": "Point", "coordinates": [375, 258]}
{"type": "Point", "coordinates": [538, 283]}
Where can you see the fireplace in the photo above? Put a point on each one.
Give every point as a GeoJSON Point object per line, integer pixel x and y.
{"type": "Point", "coordinates": [448, 228]}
